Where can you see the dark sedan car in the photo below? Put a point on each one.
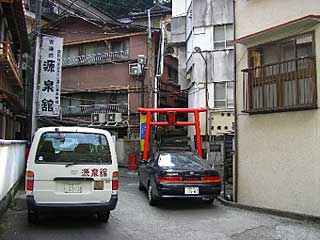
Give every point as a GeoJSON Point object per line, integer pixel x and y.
{"type": "Point", "coordinates": [178, 175]}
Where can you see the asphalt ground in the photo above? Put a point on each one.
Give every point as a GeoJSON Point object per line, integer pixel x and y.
{"type": "Point", "coordinates": [172, 219]}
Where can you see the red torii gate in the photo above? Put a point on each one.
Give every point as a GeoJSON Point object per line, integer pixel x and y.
{"type": "Point", "coordinates": [171, 122]}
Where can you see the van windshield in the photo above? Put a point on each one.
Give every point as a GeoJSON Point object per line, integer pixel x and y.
{"type": "Point", "coordinates": [75, 148]}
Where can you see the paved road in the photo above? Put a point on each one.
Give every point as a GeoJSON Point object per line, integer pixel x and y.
{"type": "Point", "coordinates": [135, 219]}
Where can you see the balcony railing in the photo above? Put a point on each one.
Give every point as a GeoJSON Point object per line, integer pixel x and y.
{"type": "Point", "coordinates": [99, 58]}
{"type": "Point", "coordinates": [87, 110]}
{"type": "Point", "coordinates": [283, 86]}
{"type": "Point", "coordinates": [9, 64]}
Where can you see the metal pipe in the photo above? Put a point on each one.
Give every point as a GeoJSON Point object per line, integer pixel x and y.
{"type": "Point", "coordinates": [36, 67]}
{"type": "Point", "coordinates": [236, 137]}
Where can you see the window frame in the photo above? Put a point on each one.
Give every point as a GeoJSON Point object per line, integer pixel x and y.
{"type": "Point", "coordinates": [226, 47]}
{"type": "Point", "coordinates": [227, 104]}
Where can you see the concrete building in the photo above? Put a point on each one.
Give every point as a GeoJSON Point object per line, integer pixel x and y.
{"type": "Point", "coordinates": [169, 90]}
{"type": "Point", "coordinates": [278, 75]}
{"type": "Point", "coordinates": [13, 49]}
{"type": "Point", "coordinates": [202, 31]}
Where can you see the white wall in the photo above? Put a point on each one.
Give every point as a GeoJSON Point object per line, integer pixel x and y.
{"type": "Point", "coordinates": [12, 164]}
{"type": "Point", "coordinates": [203, 38]}
{"type": "Point", "coordinates": [179, 8]}
{"type": "Point", "coordinates": [253, 15]}
{"type": "Point", "coordinates": [278, 153]}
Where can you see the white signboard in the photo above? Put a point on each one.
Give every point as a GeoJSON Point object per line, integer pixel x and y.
{"type": "Point", "coordinates": [50, 76]}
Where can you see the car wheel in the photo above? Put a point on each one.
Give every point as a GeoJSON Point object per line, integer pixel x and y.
{"type": "Point", "coordinates": [103, 216]}
{"type": "Point", "coordinates": [33, 217]}
{"type": "Point", "coordinates": [209, 201]}
{"type": "Point", "coordinates": [151, 197]}
{"type": "Point", "coordinates": [141, 187]}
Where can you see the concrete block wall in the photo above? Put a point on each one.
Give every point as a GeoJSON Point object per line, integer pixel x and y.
{"type": "Point", "coordinates": [124, 147]}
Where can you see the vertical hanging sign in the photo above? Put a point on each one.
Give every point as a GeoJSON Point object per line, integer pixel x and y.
{"type": "Point", "coordinates": [143, 119]}
{"type": "Point", "coordinates": [50, 76]}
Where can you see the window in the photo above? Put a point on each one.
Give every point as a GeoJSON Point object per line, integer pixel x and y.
{"type": "Point", "coordinates": [180, 161]}
{"type": "Point", "coordinates": [172, 75]}
{"type": "Point", "coordinates": [70, 51]}
{"type": "Point", "coordinates": [93, 48]}
{"type": "Point", "coordinates": [223, 36]}
{"type": "Point", "coordinates": [78, 148]}
{"type": "Point", "coordinates": [223, 95]}
{"type": "Point", "coordinates": [96, 53]}
{"type": "Point", "coordinates": [118, 45]}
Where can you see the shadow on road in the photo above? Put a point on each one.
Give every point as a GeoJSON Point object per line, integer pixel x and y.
{"type": "Point", "coordinates": [182, 204]}
{"type": "Point", "coordinates": [69, 220]}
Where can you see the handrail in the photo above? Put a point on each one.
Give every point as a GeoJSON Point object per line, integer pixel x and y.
{"type": "Point", "coordinates": [283, 86]}
{"type": "Point", "coordinates": [95, 58]}
{"type": "Point", "coordinates": [94, 108]}
{"type": "Point", "coordinates": [277, 63]}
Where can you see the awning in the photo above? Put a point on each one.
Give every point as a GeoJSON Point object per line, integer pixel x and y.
{"type": "Point", "coordinates": [281, 30]}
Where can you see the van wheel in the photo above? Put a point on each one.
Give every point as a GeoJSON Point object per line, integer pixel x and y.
{"type": "Point", "coordinates": [103, 216]}
{"type": "Point", "coordinates": [152, 199]}
{"type": "Point", "coordinates": [33, 217]}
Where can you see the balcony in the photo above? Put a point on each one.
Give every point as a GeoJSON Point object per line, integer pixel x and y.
{"type": "Point", "coordinates": [87, 110]}
{"type": "Point", "coordinates": [8, 65]}
{"type": "Point", "coordinates": [100, 58]}
{"type": "Point", "coordinates": [279, 87]}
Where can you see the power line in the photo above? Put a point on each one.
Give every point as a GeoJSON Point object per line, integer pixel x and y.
{"type": "Point", "coordinates": [69, 7]}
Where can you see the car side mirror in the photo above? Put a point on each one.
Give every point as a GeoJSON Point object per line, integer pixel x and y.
{"type": "Point", "coordinates": [142, 162]}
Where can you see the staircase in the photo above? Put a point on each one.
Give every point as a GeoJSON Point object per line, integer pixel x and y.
{"type": "Point", "coordinates": [173, 139]}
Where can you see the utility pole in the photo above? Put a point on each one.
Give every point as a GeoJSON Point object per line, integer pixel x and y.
{"type": "Point", "coordinates": [36, 66]}
{"type": "Point", "coordinates": [149, 44]}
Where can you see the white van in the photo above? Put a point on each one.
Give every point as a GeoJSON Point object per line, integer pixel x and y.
{"type": "Point", "coordinates": [74, 169]}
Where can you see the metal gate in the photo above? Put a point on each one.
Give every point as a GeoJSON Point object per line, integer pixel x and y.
{"type": "Point", "coordinates": [221, 158]}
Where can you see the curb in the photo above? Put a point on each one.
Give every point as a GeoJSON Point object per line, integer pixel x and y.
{"type": "Point", "coordinates": [9, 198]}
{"type": "Point", "coordinates": [296, 216]}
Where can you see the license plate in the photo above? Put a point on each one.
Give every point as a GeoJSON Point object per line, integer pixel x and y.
{"type": "Point", "coordinates": [72, 188]}
{"type": "Point", "coordinates": [191, 190]}
{"type": "Point", "coordinates": [98, 185]}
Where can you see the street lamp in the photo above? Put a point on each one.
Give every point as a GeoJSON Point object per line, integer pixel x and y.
{"type": "Point", "coordinates": [198, 50]}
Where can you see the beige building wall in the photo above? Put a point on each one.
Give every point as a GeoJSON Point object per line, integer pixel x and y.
{"type": "Point", "coordinates": [278, 153]}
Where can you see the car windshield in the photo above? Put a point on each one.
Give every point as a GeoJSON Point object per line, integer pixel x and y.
{"type": "Point", "coordinates": [73, 148]}
{"type": "Point", "coordinates": [181, 161]}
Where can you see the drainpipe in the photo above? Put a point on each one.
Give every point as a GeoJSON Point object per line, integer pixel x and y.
{"type": "Point", "coordinates": [236, 137]}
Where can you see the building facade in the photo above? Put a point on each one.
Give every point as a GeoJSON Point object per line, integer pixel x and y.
{"type": "Point", "coordinates": [13, 49]}
{"type": "Point", "coordinates": [169, 89]}
{"type": "Point", "coordinates": [96, 70]}
{"type": "Point", "coordinates": [278, 118]}
{"type": "Point", "coordinates": [202, 31]}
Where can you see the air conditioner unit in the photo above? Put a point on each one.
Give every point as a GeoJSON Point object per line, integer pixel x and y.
{"type": "Point", "coordinates": [98, 118]}
{"type": "Point", "coordinates": [135, 69]}
{"type": "Point", "coordinates": [141, 59]}
{"type": "Point", "coordinates": [113, 118]}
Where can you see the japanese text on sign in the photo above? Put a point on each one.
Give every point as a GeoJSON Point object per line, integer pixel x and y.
{"type": "Point", "coordinates": [94, 172]}
{"type": "Point", "coordinates": [50, 76]}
